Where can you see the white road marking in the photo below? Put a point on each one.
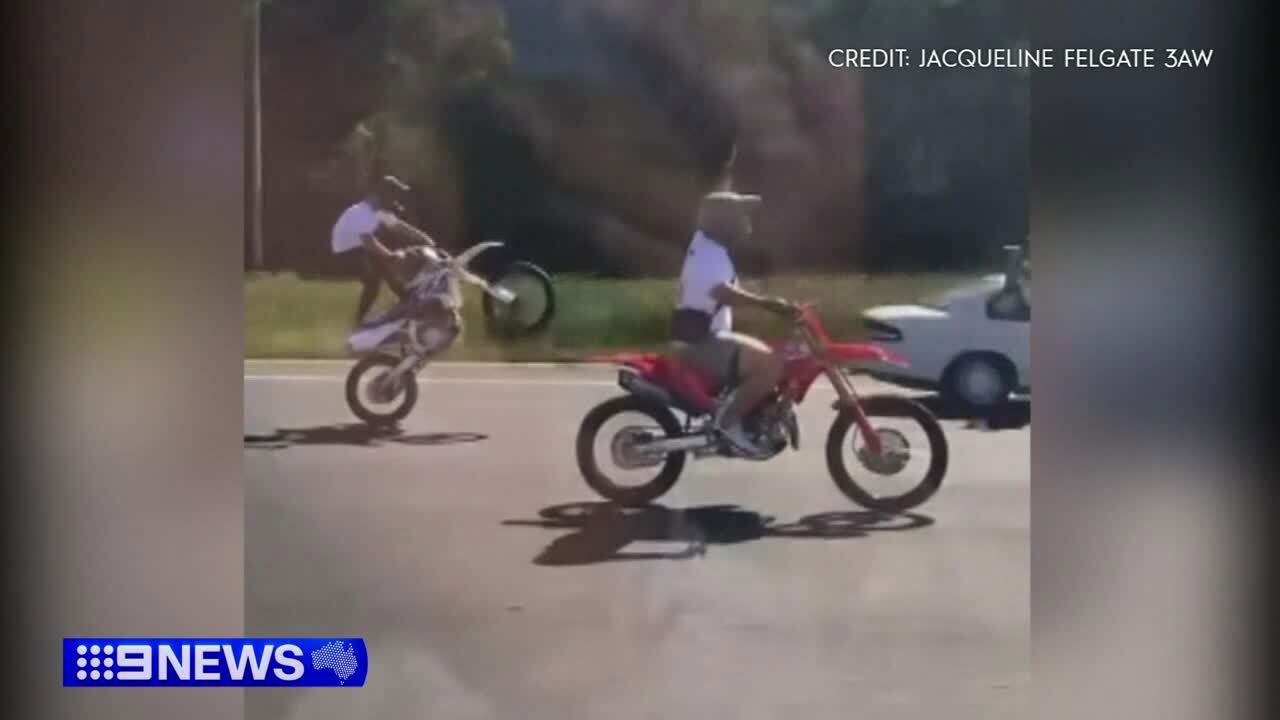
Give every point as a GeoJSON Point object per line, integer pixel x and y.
{"type": "Point", "coordinates": [472, 381]}
{"type": "Point", "coordinates": [459, 381]}
{"type": "Point", "coordinates": [317, 362]}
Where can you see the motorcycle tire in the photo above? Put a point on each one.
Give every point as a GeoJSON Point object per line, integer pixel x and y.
{"type": "Point", "coordinates": [888, 406]}
{"type": "Point", "coordinates": [409, 394]}
{"type": "Point", "coordinates": [524, 278]}
{"type": "Point", "coordinates": [597, 480]}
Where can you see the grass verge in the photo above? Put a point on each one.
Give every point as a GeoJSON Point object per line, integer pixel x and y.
{"type": "Point", "coordinates": [288, 317]}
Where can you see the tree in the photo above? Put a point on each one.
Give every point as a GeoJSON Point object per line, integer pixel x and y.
{"type": "Point", "coordinates": [637, 108]}
{"type": "Point", "coordinates": [354, 88]}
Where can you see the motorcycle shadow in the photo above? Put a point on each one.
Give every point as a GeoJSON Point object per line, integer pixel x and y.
{"type": "Point", "coordinates": [355, 435]}
{"type": "Point", "coordinates": [602, 531]}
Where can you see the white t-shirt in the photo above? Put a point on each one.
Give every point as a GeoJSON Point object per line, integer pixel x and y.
{"type": "Point", "coordinates": [358, 220]}
{"type": "Point", "coordinates": [706, 266]}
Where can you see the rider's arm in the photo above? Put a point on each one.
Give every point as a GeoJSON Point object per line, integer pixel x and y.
{"type": "Point", "coordinates": [412, 233]}
{"type": "Point", "coordinates": [371, 244]}
{"type": "Point", "coordinates": [735, 296]}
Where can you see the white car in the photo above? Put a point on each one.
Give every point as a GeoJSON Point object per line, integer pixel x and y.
{"type": "Point", "coordinates": [972, 344]}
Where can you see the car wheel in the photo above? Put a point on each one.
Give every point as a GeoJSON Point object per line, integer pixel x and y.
{"type": "Point", "coordinates": [978, 381]}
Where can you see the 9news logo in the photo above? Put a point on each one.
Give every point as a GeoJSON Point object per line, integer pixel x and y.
{"type": "Point", "coordinates": [228, 662]}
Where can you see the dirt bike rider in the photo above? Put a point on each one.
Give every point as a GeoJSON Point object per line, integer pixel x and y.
{"type": "Point", "coordinates": [358, 228]}
{"type": "Point", "coordinates": [702, 334]}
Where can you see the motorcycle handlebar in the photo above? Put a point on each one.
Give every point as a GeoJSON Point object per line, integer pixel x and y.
{"type": "Point", "coordinates": [802, 312]}
{"type": "Point", "coordinates": [806, 318]}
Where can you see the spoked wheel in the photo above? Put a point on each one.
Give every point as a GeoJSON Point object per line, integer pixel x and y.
{"type": "Point", "coordinates": [373, 397]}
{"type": "Point", "coordinates": [908, 470]}
{"type": "Point", "coordinates": [610, 453]}
{"type": "Point", "coordinates": [532, 308]}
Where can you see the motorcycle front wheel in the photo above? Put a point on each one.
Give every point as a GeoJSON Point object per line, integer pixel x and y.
{"type": "Point", "coordinates": [913, 446]}
{"type": "Point", "coordinates": [531, 310]}
{"type": "Point", "coordinates": [611, 432]}
{"type": "Point", "coordinates": [375, 405]}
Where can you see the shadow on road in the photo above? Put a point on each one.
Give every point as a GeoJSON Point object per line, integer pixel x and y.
{"type": "Point", "coordinates": [1012, 415]}
{"type": "Point", "coordinates": [353, 434]}
{"type": "Point", "coordinates": [602, 531]}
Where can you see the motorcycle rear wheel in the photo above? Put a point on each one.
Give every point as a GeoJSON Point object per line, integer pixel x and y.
{"type": "Point", "coordinates": [599, 481]}
{"type": "Point", "coordinates": [888, 406]}
{"type": "Point", "coordinates": [408, 393]}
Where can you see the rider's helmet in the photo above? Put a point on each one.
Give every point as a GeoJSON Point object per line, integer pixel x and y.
{"type": "Point", "coordinates": [725, 216]}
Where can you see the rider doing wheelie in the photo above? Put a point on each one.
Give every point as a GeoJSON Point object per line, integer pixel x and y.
{"type": "Point", "coordinates": [357, 231]}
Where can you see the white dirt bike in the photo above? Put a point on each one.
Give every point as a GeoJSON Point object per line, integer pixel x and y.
{"type": "Point", "coordinates": [394, 347]}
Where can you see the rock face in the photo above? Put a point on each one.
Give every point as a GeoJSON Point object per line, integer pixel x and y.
{"type": "Point", "coordinates": [882, 167]}
{"type": "Point", "coordinates": [617, 115]}
{"type": "Point", "coordinates": [661, 96]}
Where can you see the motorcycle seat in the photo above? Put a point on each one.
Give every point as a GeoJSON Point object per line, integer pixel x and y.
{"type": "Point", "coordinates": [694, 391]}
{"type": "Point", "coordinates": [695, 386]}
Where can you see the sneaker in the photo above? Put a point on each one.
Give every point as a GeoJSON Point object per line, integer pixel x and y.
{"type": "Point", "coordinates": [737, 437]}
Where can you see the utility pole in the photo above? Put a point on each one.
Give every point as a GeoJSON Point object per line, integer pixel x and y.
{"type": "Point", "coordinates": [255, 138]}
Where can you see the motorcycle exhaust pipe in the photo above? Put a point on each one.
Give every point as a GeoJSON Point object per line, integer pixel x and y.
{"type": "Point", "coordinates": [636, 385]}
{"type": "Point", "coordinates": [687, 443]}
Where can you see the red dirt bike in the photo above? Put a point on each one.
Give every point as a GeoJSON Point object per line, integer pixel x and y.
{"type": "Point", "coordinates": [659, 387]}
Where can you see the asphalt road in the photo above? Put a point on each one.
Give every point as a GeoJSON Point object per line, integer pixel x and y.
{"type": "Point", "coordinates": [489, 583]}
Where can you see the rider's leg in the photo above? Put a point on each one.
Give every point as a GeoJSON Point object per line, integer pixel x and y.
{"type": "Point", "coordinates": [759, 369]}
{"type": "Point", "coordinates": [370, 282]}
{"type": "Point", "coordinates": [394, 282]}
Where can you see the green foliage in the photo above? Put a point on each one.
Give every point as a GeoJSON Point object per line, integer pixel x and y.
{"type": "Point", "coordinates": [630, 108]}
{"type": "Point", "coordinates": [436, 53]}
{"type": "Point", "coordinates": [287, 317]}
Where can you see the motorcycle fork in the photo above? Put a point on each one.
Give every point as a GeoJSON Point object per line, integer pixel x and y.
{"type": "Point", "coordinates": [416, 356]}
{"type": "Point", "coordinates": [409, 363]}
{"type": "Point", "coordinates": [848, 399]}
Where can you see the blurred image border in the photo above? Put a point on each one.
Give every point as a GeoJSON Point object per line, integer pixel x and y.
{"type": "Point", "coordinates": [126, 507]}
